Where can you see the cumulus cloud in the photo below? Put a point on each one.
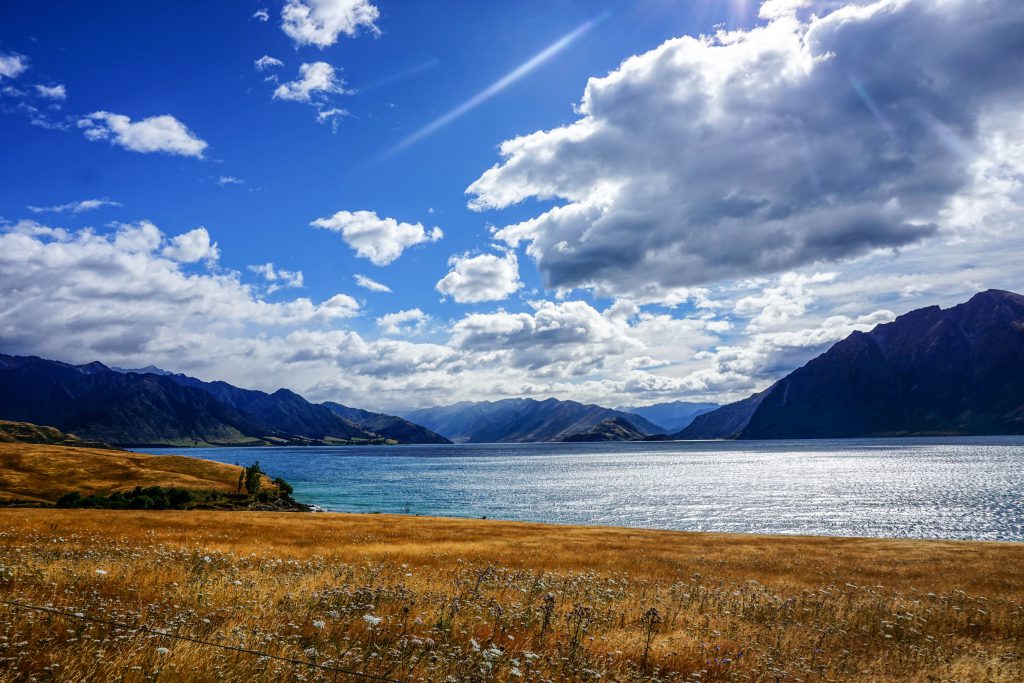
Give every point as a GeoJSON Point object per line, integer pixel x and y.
{"type": "Point", "coordinates": [808, 138]}
{"type": "Point", "coordinates": [278, 278]}
{"type": "Point", "coordinates": [75, 207]}
{"type": "Point", "coordinates": [12, 64]}
{"type": "Point", "coordinates": [267, 62]}
{"type": "Point", "coordinates": [194, 245]}
{"type": "Point", "coordinates": [487, 277]}
{"type": "Point", "coordinates": [372, 285]}
{"type": "Point", "coordinates": [320, 22]}
{"type": "Point", "coordinates": [52, 92]}
{"type": "Point", "coordinates": [226, 180]}
{"type": "Point", "coordinates": [316, 79]}
{"type": "Point", "coordinates": [382, 240]}
{"type": "Point", "coordinates": [777, 304]}
{"type": "Point", "coordinates": [154, 134]}
{"type": "Point", "coordinates": [261, 14]}
{"type": "Point", "coordinates": [571, 335]}
{"type": "Point", "coordinates": [407, 322]}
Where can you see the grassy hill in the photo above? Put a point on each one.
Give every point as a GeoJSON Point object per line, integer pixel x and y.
{"type": "Point", "coordinates": [45, 472]}
{"type": "Point", "coordinates": [25, 432]}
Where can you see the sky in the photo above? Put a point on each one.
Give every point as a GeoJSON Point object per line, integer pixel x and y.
{"type": "Point", "coordinates": [396, 205]}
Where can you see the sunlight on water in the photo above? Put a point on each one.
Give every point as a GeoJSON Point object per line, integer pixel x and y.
{"type": "Point", "coordinates": [929, 488]}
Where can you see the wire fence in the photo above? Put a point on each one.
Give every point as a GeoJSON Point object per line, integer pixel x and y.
{"type": "Point", "coordinates": [198, 641]}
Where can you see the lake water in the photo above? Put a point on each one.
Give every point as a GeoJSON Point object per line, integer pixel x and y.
{"type": "Point", "coordinates": [956, 488]}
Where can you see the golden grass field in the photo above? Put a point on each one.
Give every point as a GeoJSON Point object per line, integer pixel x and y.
{"type": "Point", "coordinates": [424, 599]}
{"type": "Point", "coordinates": [44, 472]}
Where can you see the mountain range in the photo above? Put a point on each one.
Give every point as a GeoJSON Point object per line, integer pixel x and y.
{"type": "Point", "coordinates": [129, 408]}
{"type": "Point", "coordinates": [932, 371]}
{"type": "Point", "coordinates": [521, 420]}
{"type": "Point", "coordinates": [673, 416]}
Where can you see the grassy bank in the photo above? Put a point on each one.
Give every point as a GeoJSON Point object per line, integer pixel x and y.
{"type": "Point", "coordinates": [423, 599]}
{"type": "Point", "coordinates": [40, 474]}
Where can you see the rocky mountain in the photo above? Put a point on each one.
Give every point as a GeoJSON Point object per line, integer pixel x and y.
{"type": "Point", "coordinates": [672, 416]}
{"type": "Point", "coordinates": [931, 371]}
{"type": "Point", "coordinates": [609, 429]}
{"type": "Point", "coordinates": [389, 426]}
{"type": "Point", "coordinates": [517, 420]}
{"type": "Point", "coordinates": [147, 409]}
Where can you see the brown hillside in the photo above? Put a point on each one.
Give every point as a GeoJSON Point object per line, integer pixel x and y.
{"type": "Point", "coordinates": [45, 472]}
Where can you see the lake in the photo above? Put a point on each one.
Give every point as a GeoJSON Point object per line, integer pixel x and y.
{"type": "Point", "coordinates": [955, 488]}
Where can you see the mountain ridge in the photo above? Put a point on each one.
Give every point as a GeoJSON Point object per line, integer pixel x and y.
{"type": "Point", "coordinates": [167, 409]}
{"type": "Point", "coordinates": [519, 420]}
{"type": "Point", "coordinates": [931, 371]}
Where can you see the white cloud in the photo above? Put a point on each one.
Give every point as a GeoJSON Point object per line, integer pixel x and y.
{"type": "Point", "coordinates": [316, 79]}
{"type": "Point", "coordinates": [372, 285]}
{"type": "Point", "coordinates": [278, 278]}
{"type": "Point", "coordinates": [331, 116]}
{"type": "Point", "coordinates": [226, 180]}
{"type": "Point", "coordinates": [765, 150]}
{"type": "Point", "coordinates": [320, 22]}
{"type": "Point", "coordinates": [776, 305]}
{"type": "Point", "coordinates": [261, 14]}
{"type": "Point", "coordinates": [154, 134]}
{"type": "Point", "coordinates": [52, 92]}
{"type": "Point", "coordinates": [487, 277]}
{"type": "Point", "coordinates": [267, 62]}
{"type": "Point", "coordinates": [75, 207]}
{"type": "Point", "coordinates": [404, 323]}
{"type": "Point", "coordinates": [12, 64]}
{"type": "Point", "coordinates": [382, 240]}
{"type": "Point", "coordinates": [194, 245]}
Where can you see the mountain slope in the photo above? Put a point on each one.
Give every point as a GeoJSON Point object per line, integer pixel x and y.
{"type": "Point", "coordinates": [931, 371]}
{"type": "Point", "coordinates": [146, 409]}
{"type": "Point", "coordinates": [388, 426]}
{"type": "Point", "coordinates": [519, 420]}
{"type": "Point", "coordinates": [723, 423]}
{"type": "Point", "coordinates": [609, 429]}
{"type": "Point", "coordinates": [673, 416]}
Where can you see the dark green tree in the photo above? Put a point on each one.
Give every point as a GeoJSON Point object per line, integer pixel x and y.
{"type": "Point", "coordinates": [253, 479]}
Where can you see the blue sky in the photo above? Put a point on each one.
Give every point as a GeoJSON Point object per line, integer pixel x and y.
{"type": "Point", "coordinates": [703, 217]}
{"type": "Point", "coordinates": [196, 63]}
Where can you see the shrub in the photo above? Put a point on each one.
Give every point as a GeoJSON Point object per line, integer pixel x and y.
{"type": "Point", "coordinates": [70, 500]}
{"type": "Point", "coordinates": [283, 487]}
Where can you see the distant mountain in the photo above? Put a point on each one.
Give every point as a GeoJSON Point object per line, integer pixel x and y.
{"type": "Point", "coordinates": [519, 420]}
{"type": "Point", "coordinates": [672, 416]}
{"type": "Point", "coordinates": [930, 371]}
{"type": "Point", "coordinates": [723, 423]}
{"type": "Point", "coordinates": [609, 429]}
{"type": "Point", "coordinates": [389, 426]}
{"type": "Point", "coordinates": [148, 370]}
{"type": "Point", "coordinates": [146, 409]}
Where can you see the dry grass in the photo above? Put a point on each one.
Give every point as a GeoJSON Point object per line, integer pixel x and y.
{"type": "Point", "coordinates": [43, 472]}
{"type": "Point", "coordinates": [423, 599]}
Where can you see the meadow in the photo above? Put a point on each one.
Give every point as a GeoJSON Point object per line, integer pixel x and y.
{"type": "Point", "coordinates": [426, 599]}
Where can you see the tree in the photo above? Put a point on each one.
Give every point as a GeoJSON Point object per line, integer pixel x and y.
{"type": "Point", "coordinates": [253, 479]}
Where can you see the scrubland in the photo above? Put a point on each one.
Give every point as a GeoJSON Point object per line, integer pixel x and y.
{"type": "Point", "coordinates": [422, 599]}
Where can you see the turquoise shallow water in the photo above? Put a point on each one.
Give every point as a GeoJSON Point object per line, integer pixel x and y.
{"type": "Point", "coordinates": [957, 488]}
